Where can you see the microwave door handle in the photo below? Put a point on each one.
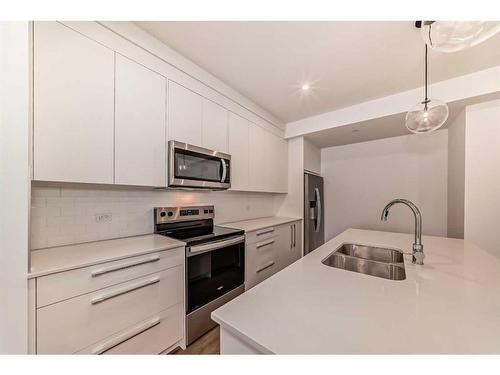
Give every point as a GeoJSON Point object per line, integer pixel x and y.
{"type": "Point", "coordinates": [224, 170]}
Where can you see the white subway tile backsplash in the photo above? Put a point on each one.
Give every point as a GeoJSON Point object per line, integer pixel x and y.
{"type": "Point", "coordinates": [63, 214]}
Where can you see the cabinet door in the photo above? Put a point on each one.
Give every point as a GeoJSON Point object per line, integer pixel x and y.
{"type": "Point", "coordinates": [140, 139]}
{"type": "Point", "coordinates": [214, 126]}
{"type": "Point", "coordinates": [297, 243]}
{"type": "Point", "coordinates": [185, 114]}
{"type": "Point", "coordinates": [279, 164]}
{"type": "Point", "coordinates": [290, 243]}
{"type": "Point", "coordinates": [261, 160]}
{"type": "Point", "coordinates": [73, 106]}
{"type": "Point", "coordinates": [238, 148]}
{"type": "Point", "coordinates": [268, 161]}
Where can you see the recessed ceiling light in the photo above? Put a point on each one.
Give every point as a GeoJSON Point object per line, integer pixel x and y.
{"type": "Point", "coordinates": [305, 87]}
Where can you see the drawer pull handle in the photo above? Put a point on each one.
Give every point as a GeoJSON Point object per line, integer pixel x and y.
{"type": "Point", "coordinates": [265, 231]}
{"type": "Point", "coordinates": [270, 264]}
{"type": "Point", "coordinates": [265, 244]}
{"type": "Point", "coordinates": [102, 271]}
{"type": "Point", "coordinates": [122, 291]}
{"type": "Point", "coordinates": [104, 347]}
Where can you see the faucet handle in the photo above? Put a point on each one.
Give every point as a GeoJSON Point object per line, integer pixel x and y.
{"type": "Point", "coordinates": [418, 255]}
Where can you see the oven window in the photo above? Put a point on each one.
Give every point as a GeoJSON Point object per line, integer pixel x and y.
{"type": "Point", "coordinates": [193, 166]}
{"type": "Point", "coordinates": [214, 273]}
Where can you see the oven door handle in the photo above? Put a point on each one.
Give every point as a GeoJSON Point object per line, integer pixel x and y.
{"type": "Point", "coordinates": [192, 250]}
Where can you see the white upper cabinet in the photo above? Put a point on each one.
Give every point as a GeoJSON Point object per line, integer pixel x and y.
{"type": "Point", "coordinates": [268, 164]}
{"type": "Point", "coordinates": [260, 159]}
{"type": "Point", "coordinates": [279, 152]}
{"type": "Point", "coordinates": [73, 106]}
{"type": "Point", "coordinates": [214, 126]}
{"type": "Point", "coordinates": [140, 116]}
{"type": "Point", "coordinates": [100, 117]}
{"type": "Point", "coordinates": [185, 113]}
{"type": "Point", "coordinates": [238, 148]}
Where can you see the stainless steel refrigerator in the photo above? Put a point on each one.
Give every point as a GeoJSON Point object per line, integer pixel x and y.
{"type": "Point", "coordinates": [314, 226]}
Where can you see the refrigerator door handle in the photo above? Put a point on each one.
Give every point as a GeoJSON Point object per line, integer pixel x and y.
{"type": "Point", "coordinates": [318, 205]}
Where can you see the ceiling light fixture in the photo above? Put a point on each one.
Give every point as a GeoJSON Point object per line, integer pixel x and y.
{"type": "Point", "coordinates": [452, 36]}
{"type": "Point", "coordinates": [305, 87]}
{"type": "Point", "coordinates": [428, 115]}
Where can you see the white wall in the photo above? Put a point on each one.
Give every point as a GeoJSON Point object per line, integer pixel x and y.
{"type": "Point", "coordinates": [361, 178]}
{"type": "Point", "coordinates": [482, 175]}
{"type": "Point", "coordinates": [312, 157]}
{"type": "Point", "coordinates": [456, 176]}
{"type": "Point", "coordinates": [65, 213]}
{"type": "Point", "coordinates": [14, 185]}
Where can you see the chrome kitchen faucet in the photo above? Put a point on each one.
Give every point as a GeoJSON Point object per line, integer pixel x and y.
{"type": "Point", "coordinates": [418, 249]}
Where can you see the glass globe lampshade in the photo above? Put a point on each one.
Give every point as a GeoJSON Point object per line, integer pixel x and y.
{"type": "Point", "coordinates": [452, 36]}
{"type": "Point", "coordinates": [426, 116]}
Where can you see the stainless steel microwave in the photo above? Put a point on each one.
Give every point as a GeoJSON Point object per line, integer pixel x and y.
{"type": "Point", "coordinates": [196, 167]}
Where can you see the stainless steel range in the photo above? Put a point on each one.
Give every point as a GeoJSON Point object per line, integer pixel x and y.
{"type": "Point", "coordinates": [215, 262]}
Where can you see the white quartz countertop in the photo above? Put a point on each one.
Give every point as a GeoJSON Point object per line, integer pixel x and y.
{"type": "Point", "coordinates": [261, 223]}
{"type": "Point", "coordinates": [63, 258]}
{"type": "Point", "coordinates": [451, 304]}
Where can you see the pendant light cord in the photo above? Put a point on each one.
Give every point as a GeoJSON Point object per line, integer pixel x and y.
{"type": "Point", "coordinates": [426, 100]}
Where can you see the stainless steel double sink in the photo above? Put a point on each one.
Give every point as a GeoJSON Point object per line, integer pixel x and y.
{"type": "Point", "coordinates": [369, 260]}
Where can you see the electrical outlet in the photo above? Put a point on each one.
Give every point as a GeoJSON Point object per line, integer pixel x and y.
{"type": "Point", "coordinates": [104, 217]}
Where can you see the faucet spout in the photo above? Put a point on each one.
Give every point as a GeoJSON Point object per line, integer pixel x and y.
{"type": "Point", "coordinates": [418, 247]}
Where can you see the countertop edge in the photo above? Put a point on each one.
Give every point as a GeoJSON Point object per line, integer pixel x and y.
{"type": "Point", "coordinates": [32, 275]}
{"type": "Point", "coordinates": [241, 335]}
{"type": "Point", "coordinates": [285, 220]}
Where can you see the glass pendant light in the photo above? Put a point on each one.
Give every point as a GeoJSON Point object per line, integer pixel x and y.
{"type": "Point", "coordinates": [428, 115]}
{"type": "Point", "coordinates": [452, 36]}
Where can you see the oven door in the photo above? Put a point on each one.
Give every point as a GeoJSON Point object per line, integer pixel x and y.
{"type": "Point", "coordinates": [213, 270]}
{"type": "Point", "coordinates": [196, 167]}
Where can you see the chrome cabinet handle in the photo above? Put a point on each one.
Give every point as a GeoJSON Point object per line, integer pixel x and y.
{"type": "Point", "coordinates": [265, 231]}
{"type": "Point", "coordinates": [100, 349]}
{"type": "Point", "coordinates": [294, 235]}
{"type": "Point", "coordinates": [121, 291]}
{"type": "Point", "coordinates": [102, 271]}
{"type": "Point", "coordinates": [291, 236]}
{"type": "Point", "coordinates": [265, 267]}
{"type": "Point", "coordinates": [224, 170]}
{"type": "Point", "coordinates": [262, 244]}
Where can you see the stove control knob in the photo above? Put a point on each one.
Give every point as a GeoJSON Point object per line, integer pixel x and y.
{"type": "Point", "coordinates": [163, 213]}
{"type": "Point", "coordinates": [170, 214]}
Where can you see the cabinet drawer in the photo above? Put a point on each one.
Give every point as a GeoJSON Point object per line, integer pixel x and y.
{"type": "Point", "coordinates": [151, 336]}
{"type": "Point", "coordinates": [260, 235]}
{"type": "Point", "coordinates": [262, 261]}
{"type": "Point", "coordinates": [71, 325]}
{"type": "Point", "coordinates": [68, 284]}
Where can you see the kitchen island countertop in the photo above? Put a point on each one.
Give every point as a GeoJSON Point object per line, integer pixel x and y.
{"type": "Point", "coordinates": [451, 304]}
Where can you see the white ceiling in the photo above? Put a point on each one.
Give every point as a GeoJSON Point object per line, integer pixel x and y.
{"type": "Point", "coordinates": [384, 127]}
{"type": "Point", "coordinates": [345, 62]}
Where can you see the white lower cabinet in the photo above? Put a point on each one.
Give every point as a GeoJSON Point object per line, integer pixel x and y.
{"type": "Point", "coordinates": [291, 243]}
{"type": "Point", "coordinates": [151, 336]}
{"type": "Point", "coordinates": [143, 315]}
{"type": "Point", "coordinates": [269, 250]}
